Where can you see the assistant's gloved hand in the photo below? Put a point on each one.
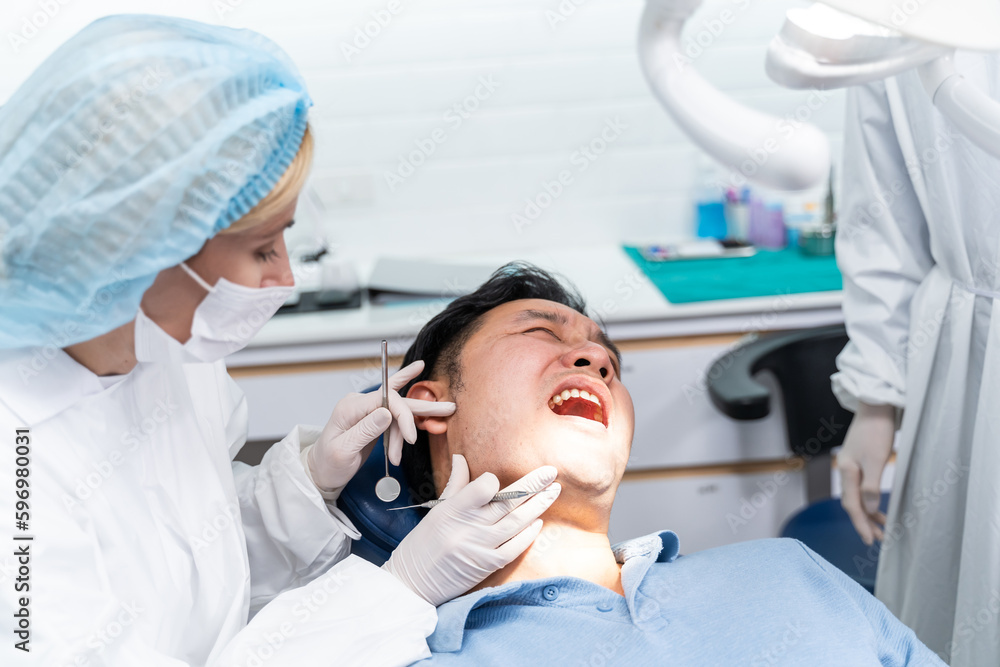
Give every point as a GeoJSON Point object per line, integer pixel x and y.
{"type": "Point", "coordinates": [465, 539]}
{"type": "Point", "coordinates": [357, 421]}
{"type": "Point", "coordinates": [867, 448]}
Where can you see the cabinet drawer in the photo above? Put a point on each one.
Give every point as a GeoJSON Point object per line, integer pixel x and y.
{"type": "Point", "coordinates": [708, 510]}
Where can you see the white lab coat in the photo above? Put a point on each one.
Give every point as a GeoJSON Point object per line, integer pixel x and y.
{"type": "Point", "coordinates": [153, 547]}
{"type": "Point", "coordinates": [919, 247]}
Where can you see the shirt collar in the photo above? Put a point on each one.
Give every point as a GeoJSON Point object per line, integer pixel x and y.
{"type": "Point", "coordinates": [635, 555]}
{"type": "Point", "coordinates": [39, 382]}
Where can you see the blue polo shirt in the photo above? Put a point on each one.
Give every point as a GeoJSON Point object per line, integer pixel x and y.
{"type": "Point", "coordinates": [761, 603]}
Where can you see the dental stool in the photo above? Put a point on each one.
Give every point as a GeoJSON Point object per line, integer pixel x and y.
{"type": "Point", "coordinates": [381, 530]}
{"type": "Point", "coordinates": [802, 362]}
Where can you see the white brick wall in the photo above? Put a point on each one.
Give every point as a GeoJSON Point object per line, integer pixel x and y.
{"type": "Point", "coordinates": [557, 85]}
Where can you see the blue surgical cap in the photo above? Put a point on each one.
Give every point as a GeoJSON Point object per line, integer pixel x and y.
{"type": "Point", "coordinates": [130, 146]}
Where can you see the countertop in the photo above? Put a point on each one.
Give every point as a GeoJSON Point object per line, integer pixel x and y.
{"type": "Point", "coordinates": [617, 292]}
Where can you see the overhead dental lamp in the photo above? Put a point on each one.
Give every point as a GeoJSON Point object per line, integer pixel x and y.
{"type": "Point", "coordinates": [827, 45]}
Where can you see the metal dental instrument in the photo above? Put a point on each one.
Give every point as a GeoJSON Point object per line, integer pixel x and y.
{"type": "Point", "coordinates": [503, 495]}
{"type": "Point", "coordinates": [387, 488]}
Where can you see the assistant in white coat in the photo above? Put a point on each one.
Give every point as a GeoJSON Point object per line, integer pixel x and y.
{"type": "Point", "coordinates": [919, 248]}
{"type": "Point", "coordinates": [153, 547]}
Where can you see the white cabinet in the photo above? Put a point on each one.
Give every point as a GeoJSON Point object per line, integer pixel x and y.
{"type": "Point", "coordinates": [675, 421]}
{"type": "Point", "coordinates": [708, 510]}
{"type": "Point", "coordinates": [675, 480]}
{"type": "Point", "coordinates": [278, 401]}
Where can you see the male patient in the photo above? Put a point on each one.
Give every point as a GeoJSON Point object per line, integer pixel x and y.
{"type": "Point", "coordinates": [538, 383]}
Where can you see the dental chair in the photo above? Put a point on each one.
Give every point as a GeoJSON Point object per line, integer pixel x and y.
{"type": "Point", "coordinates": [381, 530]}
{"type": "Point", "coordinates": [802, 362]}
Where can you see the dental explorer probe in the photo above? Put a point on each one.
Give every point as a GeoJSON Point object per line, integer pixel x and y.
{"type": "Point", "coordinates": [387, 488]}
{"type": "Point", "coordinates": [503, 495]}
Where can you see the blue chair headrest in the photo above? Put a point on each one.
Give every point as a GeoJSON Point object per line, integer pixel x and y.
{"type": "Point", "coordinates": [381, 530]}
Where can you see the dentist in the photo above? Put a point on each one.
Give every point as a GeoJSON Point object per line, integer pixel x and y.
{"type": "Point", "coordinates": [148, 170]}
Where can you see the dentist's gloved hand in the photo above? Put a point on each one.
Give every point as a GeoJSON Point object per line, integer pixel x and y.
{"type": "Point", "coordinates": [867, 448]}
{"type": "Point", "coordinates": [465, 539]}
{"type": "Point", "coordinates": [357, 421]}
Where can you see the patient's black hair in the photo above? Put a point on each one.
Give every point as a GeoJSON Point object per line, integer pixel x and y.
{"type": "Point", "coordinates": [441, 340]}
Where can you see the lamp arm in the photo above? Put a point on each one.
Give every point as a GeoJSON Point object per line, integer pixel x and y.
{"type": "Point", "coordinates": [764, 148]}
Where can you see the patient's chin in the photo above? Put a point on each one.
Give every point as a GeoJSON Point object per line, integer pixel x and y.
{"type": "Point", "coordinates": [588, 458]}
{"type": "Point", "coordinates": [586, 484]}
{"type": "Point", "coordinates": [589, 461]}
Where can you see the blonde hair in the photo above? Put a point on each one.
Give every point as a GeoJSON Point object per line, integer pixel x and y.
{"type": "Point", "coordinates": [284, 191]}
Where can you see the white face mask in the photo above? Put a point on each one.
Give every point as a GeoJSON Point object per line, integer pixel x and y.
{"type": "Point", "coordinates": [230, 316]}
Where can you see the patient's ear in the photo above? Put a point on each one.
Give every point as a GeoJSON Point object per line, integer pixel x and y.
{"type": "Point", "coordinates": [430, 390]}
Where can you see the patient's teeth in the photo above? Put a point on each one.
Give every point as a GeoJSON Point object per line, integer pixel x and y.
{"type": "Point", "coordinates": [574, 393]}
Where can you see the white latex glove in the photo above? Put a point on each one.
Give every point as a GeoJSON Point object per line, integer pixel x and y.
{"type": "Point", "coordinates": [867, 448]}
{"type": "Point", "coordinates": [358, 420]}
{"type": "Point", "coordinates": [464, 540]}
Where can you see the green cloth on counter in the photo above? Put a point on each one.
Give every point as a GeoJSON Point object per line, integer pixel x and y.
{"type": "Point", "coordinates": [767, 273]}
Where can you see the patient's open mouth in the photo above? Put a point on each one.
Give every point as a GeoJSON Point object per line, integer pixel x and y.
{"type": "Point", "coordinates": [578, 403]}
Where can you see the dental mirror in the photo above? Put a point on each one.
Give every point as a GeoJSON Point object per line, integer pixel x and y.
{"type": "Point", "coordinates": [386, 489]}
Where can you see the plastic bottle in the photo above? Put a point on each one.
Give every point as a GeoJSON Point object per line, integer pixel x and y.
{"type": "Point", "coordinates": [738, 214]}
{"type": "Point", "coordinates": [710, 211]}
